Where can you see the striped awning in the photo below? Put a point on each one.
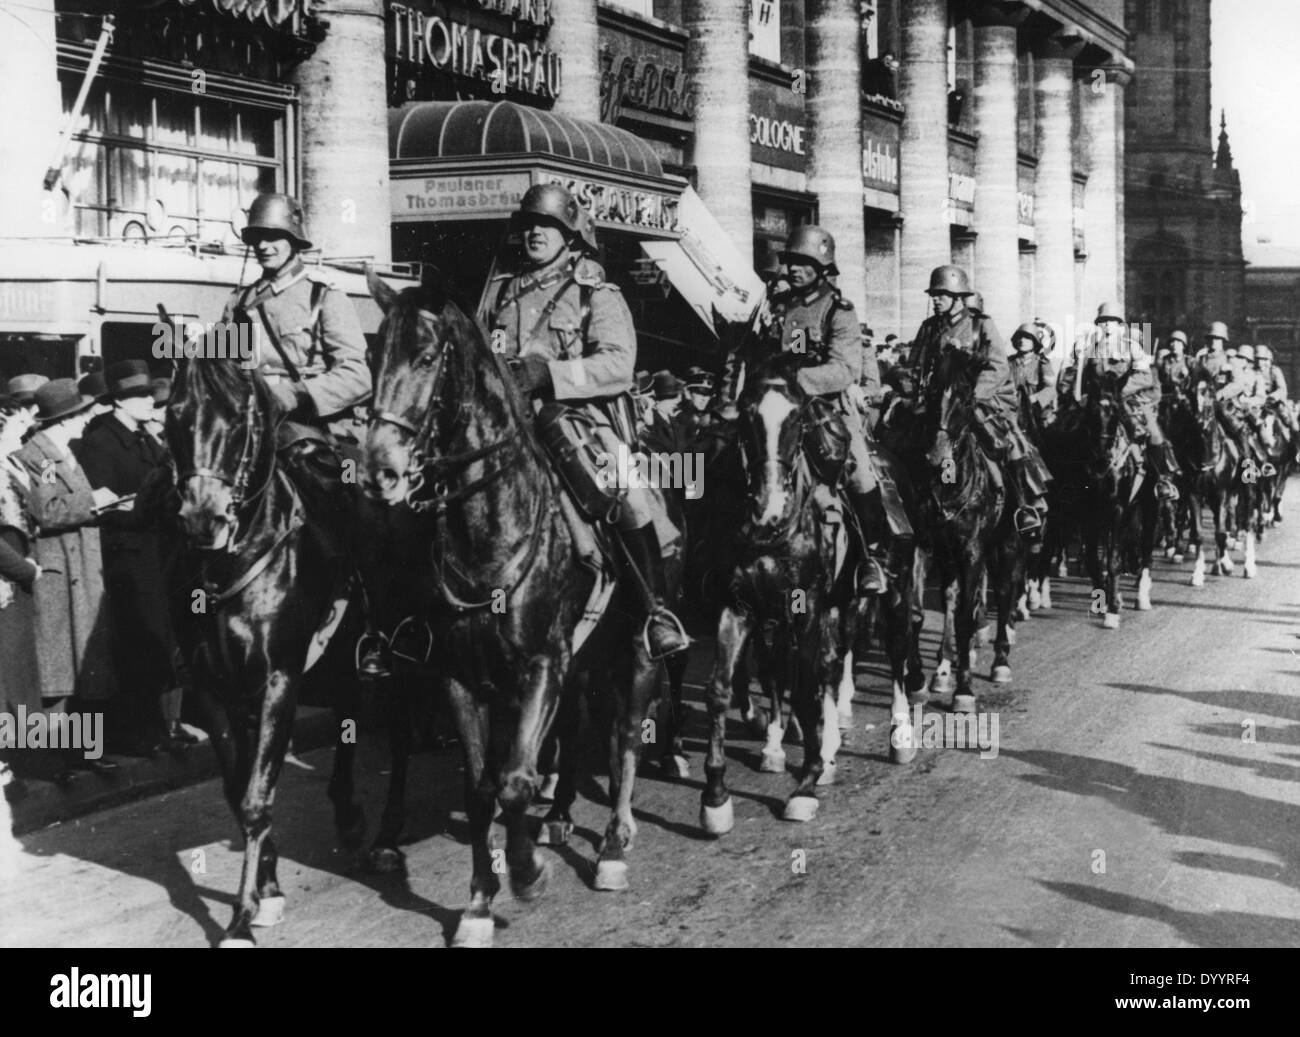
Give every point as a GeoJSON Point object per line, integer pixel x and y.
{"type": "Point", "coordinates": [468, 129]}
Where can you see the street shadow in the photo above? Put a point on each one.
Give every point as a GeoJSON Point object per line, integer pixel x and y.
{"type": "Point", "coordinates": [1264, 734]}
{"type": "Point", "coordinates": [1261, 768]}
{"type": "Point", "coordinates": [1245, 703]}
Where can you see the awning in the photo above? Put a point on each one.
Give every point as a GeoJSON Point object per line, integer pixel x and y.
{"type": "Point", "coordinates": [459, 160]}
{"type": "Point", "coordinates": [278, 14]}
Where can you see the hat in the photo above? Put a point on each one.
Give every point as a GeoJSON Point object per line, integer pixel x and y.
{"type": "Point", "coordinates": [162, 390]}
{"type": "Point", "coordinates": [94, 385]}
{"type": "Point", "coordinates": [128, 378]}
{"type": "Point", "coordinates": [1178, 336]}
{"type": "Point", "coordinates": [1109, 311]}
{"type": "Point", "coordinates": [1246, 353]}
{"type": "Point", "coordinates": [1028, 332]}
{"type": "Point", "coordinates": [666, 385]}
{"type": "Point", "coordinates": [1218, 330]}
{"type": "Point", "coordinates": [1262, 352]}
{"type": "Point", "coordinates": [698, 378]}
{"type": "Point", "coordinates": [643, 383]}
{"type": "Point", "coordinates": [60, 399]}
{"type": "Point", "coordinates": [273, 213]}
{"type": "Point", "coordinates": [23, 387]}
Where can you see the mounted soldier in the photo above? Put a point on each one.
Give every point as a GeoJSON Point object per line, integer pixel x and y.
{"type": "Point", "coordinates": [1032, 373]}
{"type": "Point", "coordinates": [1273, 385]}
{"type": "Point", "coordinates": [1241, 403]}
{"type": "Point", "coordinates": [1173, 368]}
{"type": "Point", "coordinates": [1211, 358]}
{"type": "Point", "coordinates": [568, 337]}
{"type": "Point", "coordinates": [312, 355]}
{"type": "Point", "coordinates": [953, 326]}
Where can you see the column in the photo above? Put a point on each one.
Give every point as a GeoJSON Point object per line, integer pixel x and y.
{"type": "Point", "coordinates": [1054, 187]}
{"type": "Point", "coordinates": [997, 210]}
{"type": "Point", "coordinates": [834, 113]}
{"type": "Point", "coordinates": [717, 58]}
{"type": "Point", "coordinates": [345, 133]}
{"type": "Point", "coordinates": [30, 121]}
{"type": "Point", "coordinates": [1122, 79]}
{"type": "Point", "coordinates": [1103, 127]}
{"type": "Point", "coordinates": [923, 153]}
{"type": "Point", "coordinates": [575, 36]}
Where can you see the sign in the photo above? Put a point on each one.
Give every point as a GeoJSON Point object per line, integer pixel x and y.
{"type": "Point", "coordinates": [28, 301]}
{"type": "Point", "coordinates": [643, 83]}
{"type": "Point", "coordinates": [1025, 215]}
{"type": "Point", "coordinates": [619, 206]}
{"type": "Point", "coordinates": [960, 205]}
{"type": "Point", "coordinates": [457, 197]}
{"type": "Point", "coordinates": [777, 133]}
{"type": "Point", "coordinates": [879, 164]}
{"type": "Point", "coordinates": [765, 29]}
{"type": "Point", "coordinates": [437, 44]}
{"type": "Point", "coordinates": [782, 135]}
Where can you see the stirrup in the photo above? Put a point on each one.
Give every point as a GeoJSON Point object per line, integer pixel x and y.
{"type": "Point", "coordinates": [662, 612]}
{"type": "Point", "coordinates": [871, 576]}
{"type": "Point", "coordinates": [1267, 470]}
{"type": "Point", "coordinates": [373, 670]}
{"type": "Point", "coordinates": [1028, 520]}
{"type": "Point", "coordinates": [1166, 490]}
{"type": "Point", "coordinates": [428, 641]}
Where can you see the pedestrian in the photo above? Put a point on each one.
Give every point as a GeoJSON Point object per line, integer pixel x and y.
{"type": "Point", "coordinates": [663, 432]}
{"type": "Point", "coordinates": [73, 650]}
{"type": "Point", "coordinates": [121, 455]}
{"type": "Point", "coordinates": [22, 390]}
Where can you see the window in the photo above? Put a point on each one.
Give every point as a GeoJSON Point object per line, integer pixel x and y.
{"type": "Point", "coordinates": [202, 158]}
{"type": "Point", "coordinates": [765, 29]}
{"type": "Point", "coordinates": [645, 8]}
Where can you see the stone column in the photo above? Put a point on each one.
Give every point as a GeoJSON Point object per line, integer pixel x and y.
{"type": "Point", "coordinates": [30, 122]}
{"type": "Point", "coordinates": [717, 59]}
{"type": "Point", "coordinates": [1054, 187]}
{"type": "Point", "coordinates": [1122, 79]}
{"type": "Point", "coordinates": [575, 37]}
{"type": "Point", "coordinates": [923, 152]}
{"type": "Point", "coordinates": [1103, 125]}
{"type": "Point", "coordinates": [997, 210]}
{"type": "Point", "coordinates": [345, 133]}
{"type": "Point", "coordinates": [834, 108]}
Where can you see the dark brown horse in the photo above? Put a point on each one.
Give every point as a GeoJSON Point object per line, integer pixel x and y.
{"type": "Point", "coordinates": [451, 435]}
{"type": "Point", "coordinates": [252, 583]}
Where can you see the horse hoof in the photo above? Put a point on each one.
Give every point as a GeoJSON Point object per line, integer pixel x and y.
{"type": "Point", "coordinates": [1023, 613]}
{"type": "Point", "coordinates": [611, 876]}
{"type": "Point", "coordinates": [1169, 552]}
{"type": "Point", "coordinates": [827, 776]}
{"type": "Point", "coordinates": [546, 794]}
{"type": "Point", "coordinates": [1198, 579]}
{"type": "Point", "coordinates": [800, 808]}
{"type": "Point", "coordinates": [1035, 598]}
{"type": "Point", "coordinates": [1011, 635]}
{"type": "Point", "coordinates": [942, 684]}
{"type": "Point", "coordinates": [1178, 559]}
{"type": "Point", "coordinates": [1001, 675]}
{"type": "Point", "coordinates": [537, 886]}
{"type": "Point", "coordinates": [758, 724]}
{"type": "Point", "coordinates": [236, 941]}
{"type": "Point", "coordinates": [385, 860]}
{"type": "Point", "coordinates": [963, 704]}
{"type": "Point", "coordinates": [270, 911]}
{"type": "Point", "coordinates": [1111, 622]}
{"type": "Point", "coordinates": [920, 697]}
{"type": "Point", "coordinates": [902, 744]}
{"type": "Point", "coordinates": [474, 932]}
{"type": "Point", "coordinates": [351, 837]}
{"type": "Point", "coordinates": [718, 820]}
{"type": "Point", "coordinates": [1249, 572]}
{"type": "Point", "coordinates": [676, 766]}
{"type": "Point", "coordinates": [555, 833]}
{"type": "Point", "coordinates": [772, 762]}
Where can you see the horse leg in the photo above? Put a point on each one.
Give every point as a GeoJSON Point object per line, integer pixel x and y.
{"type": "Point", "coordinates": [473, 725]}
{"type": "Point", "coordinates": [1146, 548]}
{"type": "Point", "coordinates": [966, 615]}
{"type": "Point", "coordinates": [520, 779]}
{"type": "Point", "coordinates": [912, 609]}
{"type": "Point", "coordinates": [1112, 544]}
{"type": "Point", "coordinates": [1222, 511]}
{"type": "Point", "coordinates": [942, 682]}
{"type": "Point", "coordinates": [675, 762]}
{"type": "Point", "coordinates": [717, 816]}
{"type": "Point", "coordinates": [809, 694]}
{"type": "Point", "coordinates": [269, 741]}
{"type": "Point", "coordinates": [557, 825]}
{"type": "Point", "coordinates": [1194, 544]}
{"type": "Point", "coordinates": [895, 604]}
{"type": "Point", "coordinates": [836, 626]}
{"type": "Point", "coordinates": [1005, 561]}
{"type": "Point", "coordinates": [349, 818]}
{"type": "Point", "coordinates": [385, 856]}
{"type": "Point", "coordinates": [635, 680]}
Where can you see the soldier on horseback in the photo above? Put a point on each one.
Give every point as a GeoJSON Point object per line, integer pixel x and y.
{"type": "Point", "coordinates": [1273, 384]}
{"type": "Point", "coordinates": [1173, 368]}
{"type": "Point", "coordinates": [567, 335]}
{"type": "Point", "coordinates": [1032, 373]}
{"type": "Point", "coordinates": [315, 366]}
{"type": "Point", "coordinates": [1243, 400]}
{"type": "Point", "coordinates": [953, 326]}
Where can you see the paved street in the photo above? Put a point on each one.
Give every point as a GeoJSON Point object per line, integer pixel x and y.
{"type": "Point", "coordinates": [1128, 806]}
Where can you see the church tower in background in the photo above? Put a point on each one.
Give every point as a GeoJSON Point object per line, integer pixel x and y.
{"type": "Point", "coordinates": [1182, 196]}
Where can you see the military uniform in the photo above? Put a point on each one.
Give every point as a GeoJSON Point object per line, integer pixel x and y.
{"type": "Point", "coordinates": [1032, 374]}
{"type": "Point", "coordinates": [1174, 372]}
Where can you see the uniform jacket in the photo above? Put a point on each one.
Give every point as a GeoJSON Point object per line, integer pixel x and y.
{"type": "Point", "coordinates": [72, 637]}
{"type": "Point", "coordinates": [824, 325]}
{"type": "Point", "coordinates": [328, 349]}
{"type": "Point", "coordinates": [1274, 384]}
{"type": "Point", "coordinates": [993, 385]}
{"type": "Point", "coordinates": [540, 312]}
{"type": "Point", "coordinates": [1217, 368]}
{"type": "Point", "coordinates": [1032, 373]}
{"type": "Point", "coordinates": [1174, 371]}
{"type": "Point", "coordinates": [1245, 391]}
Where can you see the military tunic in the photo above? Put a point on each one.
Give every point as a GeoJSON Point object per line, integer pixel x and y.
{"type": "Point", "coordinates": [1274, 384]}
{"type": "Point", "coordinates": [823, 325]}
{"type": "Point", "coordinates": [328, 349]}
{"type": "Point", "coordinates": [1032, 374]}
{"type": "Point", "coordinates": [994, 386]}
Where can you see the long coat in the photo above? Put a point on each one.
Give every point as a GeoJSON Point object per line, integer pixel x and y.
{"type": "Point", "coordinates": [18, 672]}
{"type": "Point", "coordinates": [121, 459]}
{"type": "Point", "coordinates": [72, 637]}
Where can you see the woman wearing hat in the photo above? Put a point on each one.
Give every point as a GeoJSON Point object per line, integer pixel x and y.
{"type": "Point", "coordinates": [73, 655]}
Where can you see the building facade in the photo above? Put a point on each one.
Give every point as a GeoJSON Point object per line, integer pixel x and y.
{"type": "Point", "coordinates": [1272, 311]}
{"type": "Point", "coordinates": [1183, 196]}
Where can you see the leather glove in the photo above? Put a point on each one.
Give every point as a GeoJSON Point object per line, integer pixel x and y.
{"type": "Point", "coordinates": [534, 374]}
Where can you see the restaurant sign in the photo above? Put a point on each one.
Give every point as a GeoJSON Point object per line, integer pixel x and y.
{"type": "Point", "coordinates": [457, 197]}
{"type": "Point", "coordinates": [617, 205]}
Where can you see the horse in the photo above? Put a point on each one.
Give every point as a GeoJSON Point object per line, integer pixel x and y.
{"type": "Point", "coordinates": [786, 586]}
{"type": "Point", "coordinates": [451, 435]}
{"type": "Point", "coordinates": [1214, 460]}
{"type": "Point", "coordinates": [966, 522]}
{"type": "Point", "coordinates": [1281, 446]}
{"type": "Point", "coordinates": [253, 581]}
{"type": "Point", "coordinates": [1118, 500]}
{"type": "Point", "coordinates": [1174, 520]}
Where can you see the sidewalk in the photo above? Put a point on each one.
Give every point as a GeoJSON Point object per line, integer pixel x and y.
{"type": "Point", "coordinates": [45, 803]}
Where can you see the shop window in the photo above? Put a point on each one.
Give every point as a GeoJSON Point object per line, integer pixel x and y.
{"type": "Point", "coordinates": [765, 29]}
{"type": "Point", "coordinates": [54, 356]}
{"type": "Point", "coordinates": [127, 340]}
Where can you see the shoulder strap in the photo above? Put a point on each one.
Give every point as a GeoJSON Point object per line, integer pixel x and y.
{"type": "Point", "coordinates": [585, 292]}
{"type": "Point", "coordinates": [275, 341]}
{"type": "Point", "coordinates": [318, 291]}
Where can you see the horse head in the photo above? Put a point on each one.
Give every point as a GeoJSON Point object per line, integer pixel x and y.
{"type": "Point", "coordinates": [220, 430]}
{"type": "Point", "coordinates": [770, 431]}
{"type": "Point", "coordinates": [427, 367]}
{"type": "Point", "coordinates": [948, 411]}
{"type": "Point", "coordinates": [1102, 426]}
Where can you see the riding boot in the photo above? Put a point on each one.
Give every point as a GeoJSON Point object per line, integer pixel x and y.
{"type": "Point", "coordinates": [1165, 465]}
{"type": "Point", "coordinates": [374, 660]}
{"type": "Point", "coordinates": [663, 631]}
{"type": "Point", "coordinates": [870, 512]}
{"type": "Point", "coordinates": [1032, 503]}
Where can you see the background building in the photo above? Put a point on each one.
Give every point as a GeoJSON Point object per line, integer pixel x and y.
{"type": "Point", "coordinates": [1183, 197]}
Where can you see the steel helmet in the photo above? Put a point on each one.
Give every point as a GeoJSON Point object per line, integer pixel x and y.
{"type": "Point", "coordinates": [950, 279]}
{"type": "Point", "coordinates": [1246, 353]}
{"type": "Point", "coordinates": [275, 213]}
{"type": "Point", "coordinates": [1109, 311]}
{"type": "Point", "coordinates": [976, 304]}
{"type": "Point", "coordinates": [1262, 352]}
{"type": "Point", "coordinates": [1030, 332]}
{"type": "Point", "coordinates": [1178, 336]}
{"type": "Point", "coordinates": [551, 203]}
{"type": "Point", "coordinates": [814, 244]}
{"type": "Point", "coordinates": [1218, 330]}
{"type": "Point", "coordinates": [587, 231]}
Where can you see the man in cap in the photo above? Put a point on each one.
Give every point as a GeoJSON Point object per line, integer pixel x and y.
{"type": "Point", "coordinates": [694, 416]}
{"type": "Point", "coordinates": [1273, 384]}
{"type": "Point", "coordinates": [568, 336]}
{"type": "Point", "coordinates": [120, 455]}
{"type": "Point", "coordinates": [312, 353]}
{"type": "Point", "coordinates": [665, 430]}
{"type": "Point", "coordinates": [1032, 373]}
{"type": "Point", "coordinates": [22, 388]}
{"type": "Point", "coordinates": [953, 326]}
